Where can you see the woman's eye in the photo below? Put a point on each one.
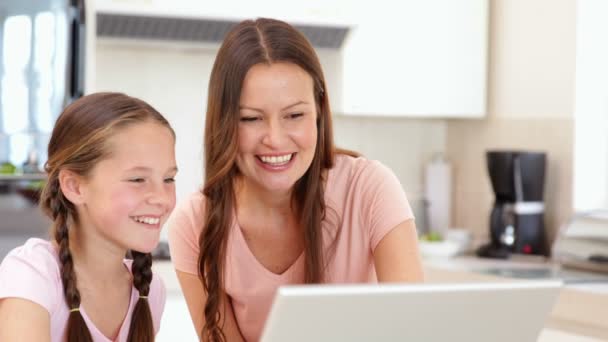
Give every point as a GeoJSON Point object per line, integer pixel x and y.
{"type": "Point", "coordinates": [295, 115]}
{"type": "Point", "coordinates": [170, 180]}
{"type": "Point", "coordinates": [136, 180]}
{"type": "Point", "coordinates": [248, 118]}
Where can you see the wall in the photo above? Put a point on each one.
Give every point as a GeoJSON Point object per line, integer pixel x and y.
{"type": "Point", "coordinates": [174, 80]}
{"type": "Point", "coordinates": [530, 106]}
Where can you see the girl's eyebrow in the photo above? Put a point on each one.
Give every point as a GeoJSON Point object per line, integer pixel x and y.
{"type": "Point", "coordinates": [147, 169]}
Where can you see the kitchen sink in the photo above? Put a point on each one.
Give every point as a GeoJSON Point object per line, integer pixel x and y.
{"type": "Point", "coordinates": [568, 276]}
{"type": "Point", "coordinates": [520, 268]}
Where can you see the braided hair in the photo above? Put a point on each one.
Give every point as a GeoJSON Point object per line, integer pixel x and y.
{"type": "Point", "coordinates": [77, 143]}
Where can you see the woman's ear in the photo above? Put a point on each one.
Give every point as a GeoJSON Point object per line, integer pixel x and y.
{"type": "Point", "coordinates": [72, 185]}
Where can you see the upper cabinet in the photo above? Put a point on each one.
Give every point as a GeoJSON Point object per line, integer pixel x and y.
{"type": "Point", "coordinates": [313, 12]}
{"type": "Point", "coordinates": [416, 58]}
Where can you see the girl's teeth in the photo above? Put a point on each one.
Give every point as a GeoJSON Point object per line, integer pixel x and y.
{"type": "Point", "coordinates": [277, 160]}
{"type": "Point", "coordinates": [147, 220]}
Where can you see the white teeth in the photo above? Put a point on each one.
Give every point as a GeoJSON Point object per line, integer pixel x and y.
{"type": "Point", "coordinates": [276, 160]}
{"type": "Point", "coordinates": [147, 220]}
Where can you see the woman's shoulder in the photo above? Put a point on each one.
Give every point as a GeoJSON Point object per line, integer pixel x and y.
{"type": "Point", "coordinates": [192, 205]}
{"type": "Point", "coordinates": [188, 215]}
{"type": "Point", "coordinates": [184, 227]}
{"type": "Point", "coordinates": [348, 170]}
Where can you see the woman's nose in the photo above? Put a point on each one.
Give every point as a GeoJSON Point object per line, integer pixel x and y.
{"type": "Point", "coordinates": [274, 134]}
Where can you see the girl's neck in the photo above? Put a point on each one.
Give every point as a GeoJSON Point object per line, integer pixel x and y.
{"type": "Point", "coordinates": [96, 258]}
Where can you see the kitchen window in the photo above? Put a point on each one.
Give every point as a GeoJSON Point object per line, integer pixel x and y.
{"type": "Point", "coordinates": [33, 52]}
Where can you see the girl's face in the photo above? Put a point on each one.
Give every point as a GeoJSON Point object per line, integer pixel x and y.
{"type": "Point", "coordinates": [128, 196]}
{"type": "Point", "coordinates": [277, 129]}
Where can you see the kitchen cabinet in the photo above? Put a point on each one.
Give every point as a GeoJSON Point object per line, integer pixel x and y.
{"type": "Point", "coordinates": [416, 58]}
{"type": "Point", "coordinates": [310, 12]}
{"type": "Point", "coordinates": [407, 58]}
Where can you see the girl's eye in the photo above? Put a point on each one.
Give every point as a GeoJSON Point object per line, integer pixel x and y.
{"type": "Point", "coordinates": [170, 180]}
{"type": "Point", "coordinates": [295, 115]}
{"type": "Point", "coordinates": [136, 180]}
{"type": "Point", "coordinates": [248, 118]}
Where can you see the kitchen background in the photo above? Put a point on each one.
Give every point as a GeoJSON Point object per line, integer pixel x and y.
{"type": "Point", "coordinates": [530, 105]}
{"type": "Point", "coordinates": [517, 91]}
{"type": "Point", "coordinates": [408, 81]}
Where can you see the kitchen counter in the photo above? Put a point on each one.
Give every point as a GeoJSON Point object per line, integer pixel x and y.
{"type": "Point", "coordinates": [581, 310]}
{"type": "Point", "coordinates": [580, 313]}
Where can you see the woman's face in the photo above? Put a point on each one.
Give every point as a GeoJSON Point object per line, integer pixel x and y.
{"type": "Point", "coordinates": [277, 127]}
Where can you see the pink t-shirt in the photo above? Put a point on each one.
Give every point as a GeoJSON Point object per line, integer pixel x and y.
{"type": "Point", "coordinates": [363, 198]}
{"type": "Point", "coordinates": [32, 272]}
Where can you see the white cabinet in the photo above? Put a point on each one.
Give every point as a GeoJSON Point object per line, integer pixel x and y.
{"type": "Point", "coordinates": [416, 58]}
{"type": "Point", "coordinates": [312, 12]}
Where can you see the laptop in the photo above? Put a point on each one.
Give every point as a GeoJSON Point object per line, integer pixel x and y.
{"type": "Point", "coordinates": [505, 311]}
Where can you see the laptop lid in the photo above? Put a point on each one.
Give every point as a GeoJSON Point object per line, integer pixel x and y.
{"type": "Point", "coordinates": [505, 311]}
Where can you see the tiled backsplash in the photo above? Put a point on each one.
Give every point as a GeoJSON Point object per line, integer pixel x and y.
{"type": "Point", "coordinates": [467, 142]}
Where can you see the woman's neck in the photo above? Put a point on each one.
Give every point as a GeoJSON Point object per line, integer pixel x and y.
{"type": "Point", "coordinates": [259, 200]}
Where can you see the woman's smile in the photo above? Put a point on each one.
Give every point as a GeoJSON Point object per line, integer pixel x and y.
{"type": "Point", "coordinates": [277, 162]}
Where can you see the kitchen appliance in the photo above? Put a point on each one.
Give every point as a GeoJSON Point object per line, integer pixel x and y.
{"type": "Point", "coordinates": [517, 216]}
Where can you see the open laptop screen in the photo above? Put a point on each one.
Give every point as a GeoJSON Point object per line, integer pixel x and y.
{"type": "Point", "coordinates": [505, 311]}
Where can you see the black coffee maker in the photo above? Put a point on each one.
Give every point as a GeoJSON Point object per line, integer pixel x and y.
{"type": "Point", "coordinates": [517, 217]}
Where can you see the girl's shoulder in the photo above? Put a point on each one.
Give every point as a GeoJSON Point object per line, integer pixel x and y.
{"type": "Point", "coordinates": [35, 253]}
{"type": "Point", "coordinates": [32, 272]}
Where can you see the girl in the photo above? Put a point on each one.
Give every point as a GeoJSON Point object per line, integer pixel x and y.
{"type": "Point", "coordinates": [280, 204]}
{"type": "Point", "coordinates": [110, 187]}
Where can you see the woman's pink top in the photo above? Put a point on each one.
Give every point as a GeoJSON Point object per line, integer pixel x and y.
{"type": "Point", "coordinates": [364, 202]}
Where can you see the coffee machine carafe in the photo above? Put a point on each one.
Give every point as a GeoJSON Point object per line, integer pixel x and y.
{"type": "Point", "coordinates": [517, 217]}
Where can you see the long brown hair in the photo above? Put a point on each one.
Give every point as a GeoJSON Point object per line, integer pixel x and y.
{"type": "Point", "coordinates": [78, 143]}
{"type": "Point", "coordinates": [249, 43]}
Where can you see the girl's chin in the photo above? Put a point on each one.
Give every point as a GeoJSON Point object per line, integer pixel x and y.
{"type": "Point", "coordinates": [146, 247]}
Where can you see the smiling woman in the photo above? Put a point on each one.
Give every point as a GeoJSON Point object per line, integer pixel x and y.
{"type": "Point", "coordinates": [280, 204]}
{"type": "Point", "coordinates": [277, 131]}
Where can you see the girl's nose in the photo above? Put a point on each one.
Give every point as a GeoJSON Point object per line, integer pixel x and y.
{"type": "Point", "coordinates": [162, 195]}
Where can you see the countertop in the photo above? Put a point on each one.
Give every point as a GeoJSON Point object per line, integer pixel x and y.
{"type": "Point", "coordinates": [581, 310]}
{"type": "Point", "coordinates": [580, 313]}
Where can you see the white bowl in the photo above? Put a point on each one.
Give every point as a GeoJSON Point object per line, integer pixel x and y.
{"type": "Point", "coordinates": [439, 249]}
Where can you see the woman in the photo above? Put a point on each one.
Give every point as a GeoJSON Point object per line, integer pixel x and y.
{"type": "Point", "coordinates": [280, 205]}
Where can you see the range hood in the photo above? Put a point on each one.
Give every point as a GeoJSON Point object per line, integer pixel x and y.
{"type": "Point", "coordinates": [189, 21]}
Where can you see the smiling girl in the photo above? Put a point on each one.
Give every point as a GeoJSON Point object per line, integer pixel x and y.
{"type": "Point", "coordinates": [110, 187]}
